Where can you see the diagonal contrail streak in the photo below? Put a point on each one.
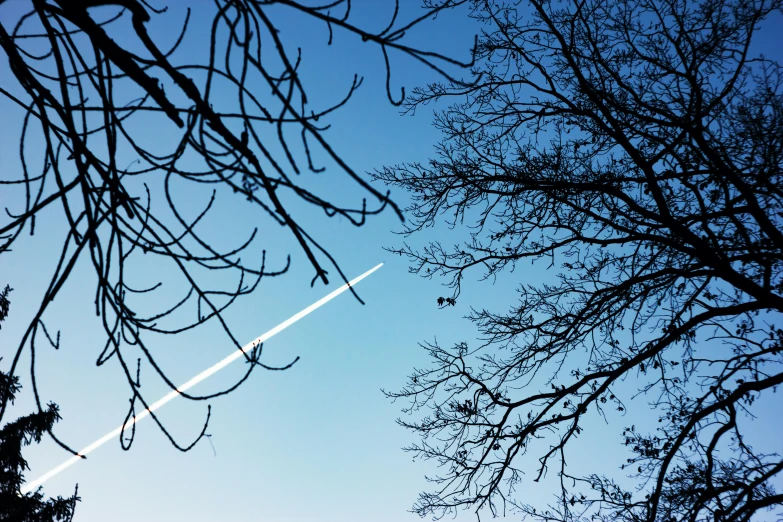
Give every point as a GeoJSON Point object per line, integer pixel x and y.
{"type": "Point", "coordinates": [194, 381]}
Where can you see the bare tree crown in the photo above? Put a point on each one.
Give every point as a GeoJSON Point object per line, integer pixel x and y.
{"type": "Point", "coordinates": [637, 148]}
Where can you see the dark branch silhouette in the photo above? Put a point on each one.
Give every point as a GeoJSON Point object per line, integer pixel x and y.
{"type": "Point", "coordinates": [239, 119]}
{"type": "Point", "coordinates": [636, 148]}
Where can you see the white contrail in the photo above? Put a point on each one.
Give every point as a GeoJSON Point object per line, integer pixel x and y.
{"type": "Point", "coordinates": [195, 380]}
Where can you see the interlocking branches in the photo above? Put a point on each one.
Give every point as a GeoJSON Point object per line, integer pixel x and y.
{"type": "Point", "coordinates": [93, 78]}
{"type": "Point", "coordinates": [637, 146]}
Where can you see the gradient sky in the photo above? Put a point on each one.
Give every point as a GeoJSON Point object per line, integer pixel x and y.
{"type": "Point", "coordinates": [317, 442]}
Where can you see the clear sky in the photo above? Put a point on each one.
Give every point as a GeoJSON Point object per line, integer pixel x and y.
{"type": "Point", "coordinates": [319, 441]}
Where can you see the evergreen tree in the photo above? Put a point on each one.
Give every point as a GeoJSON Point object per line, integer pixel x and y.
{"type": "Point", "coordinates": [30, 507]}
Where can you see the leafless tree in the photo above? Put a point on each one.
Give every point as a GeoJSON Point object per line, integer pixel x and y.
{"type": "Point", "coordinates": [92, 76]}
{"type": "Point", "coordinates": [635, 146]}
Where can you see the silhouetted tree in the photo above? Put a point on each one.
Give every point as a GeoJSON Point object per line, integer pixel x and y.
{"type": "Point", "coordinates": [93, 77]}
{"type": "Point", "coordinates": [636, 147]}
{"type": "Point", "coordinates": [30, 507]}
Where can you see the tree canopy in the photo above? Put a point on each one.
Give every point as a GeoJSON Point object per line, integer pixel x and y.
{"type": "Point", "coordinates": [636, 148]}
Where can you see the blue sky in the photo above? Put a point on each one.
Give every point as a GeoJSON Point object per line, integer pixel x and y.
{"type": "Point", "coordinates": [317, 442]}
